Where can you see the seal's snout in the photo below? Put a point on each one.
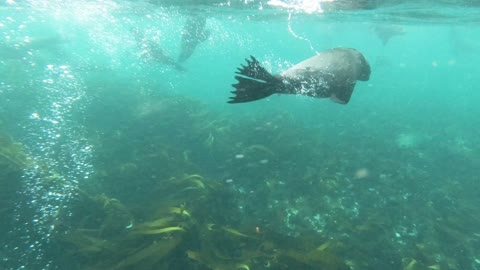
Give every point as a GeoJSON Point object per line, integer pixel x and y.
{"type": "Point", "coordinates": [364, 69]}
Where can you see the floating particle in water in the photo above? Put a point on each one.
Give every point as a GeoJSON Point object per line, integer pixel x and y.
{"type": "Point", "coordinates": [263, 161]}
{"type": "Point", "coordinates": [407, 140]}
{"type": "Point", "coordinates": [451, 62]}
{"type": "Point", "coordinates": [361, 173]}
{"type": "Point", "coordinates": [239, 156]}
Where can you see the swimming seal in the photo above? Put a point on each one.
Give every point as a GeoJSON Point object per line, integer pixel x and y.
{"type": "Point", "coordinates": [193, 34]}
{"type": "Point", "coordinates": [152, 51]}
{"type": "Point", "coordinates": [330, 74]}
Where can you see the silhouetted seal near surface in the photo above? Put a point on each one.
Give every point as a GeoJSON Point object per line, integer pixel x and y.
{"type": "Point", "coordinates": [330, 74]}
{"type": "Point", "coordinates": [193, 34]}
{"type": "Point", "coordinates": [152, 51]}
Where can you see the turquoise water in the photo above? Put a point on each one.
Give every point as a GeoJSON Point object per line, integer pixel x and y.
{"type": "Point", "coordinates": [113, 135]}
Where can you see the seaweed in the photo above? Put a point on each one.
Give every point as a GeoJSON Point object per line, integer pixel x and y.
{"type": "Point", "coordinates": [12, 155]}
{"type": "Point", "coordinates": [190, 189]}
{"type": "Point", "coordinates": [120, 239]}
{"type": "Point", "coordinates": [13, 160]}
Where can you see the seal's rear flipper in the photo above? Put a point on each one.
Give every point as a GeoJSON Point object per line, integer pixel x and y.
{"type": "Point", "coordinates": [254, 83]}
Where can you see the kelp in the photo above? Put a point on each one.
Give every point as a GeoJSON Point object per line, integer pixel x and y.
{"type": "Point", "coordinates": [12, 156]}
{"type": "Point", "coordinates": [110, 223]}
{"type": "Point", "coordinates": [264, 251]}
{"type": "Point", "coordinates": [150, 255]}
{"type": "Point", "coordinates": [215, 263]}
{"type": "Point", "coordinates": [235, 232]}
{"type": "Point", "coordinates": [319, 258]}
{"type": "Point", "coordinates": [159, 210]}
{"type": "Point", "coordinates": [257, 148]}
{"type": "Point", "coordinates": [161, 230]}
{"type": "Point", "coordinates": [414, 264]}
{"type": "Point", "coordinates": [157, 223]}
{"type": "Point", "coordinates": [197, 191]}
{"type": "Point", "coordinates": [121, 240]}
{"type": "Point", "coordinates": [13, 161]}
{"type": "Point", "coordinates": [87, 243]}
{"type": "Point", "coordinates": [223, 248]}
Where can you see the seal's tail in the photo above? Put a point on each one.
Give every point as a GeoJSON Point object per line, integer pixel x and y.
{"type": "Point", "coordinates": [254, 83]}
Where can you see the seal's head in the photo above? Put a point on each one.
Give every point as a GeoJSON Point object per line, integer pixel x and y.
{"type": "Point", "coordinates": [364, 68]}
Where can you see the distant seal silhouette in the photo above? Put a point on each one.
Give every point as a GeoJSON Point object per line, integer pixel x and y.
{"type": "Point", "coordinates": [193, 33]}
{"type": "Point", "coordinates": [330, 74]}
{"type": "Point", "coordinates": [153, 52]}
{"type": "Point", "coordinates": [386, 32]}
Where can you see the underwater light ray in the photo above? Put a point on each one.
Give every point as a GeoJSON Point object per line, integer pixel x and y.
{"type": "Point", "coordinates": [307, 6]}
{"type": "Point", "coordinates": [60, 157]}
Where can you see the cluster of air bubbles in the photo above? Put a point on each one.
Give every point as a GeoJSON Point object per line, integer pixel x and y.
{"type": "Point", "coordinates": [307, 6]}
{"type": "Point", "coordinates": [60, 157]}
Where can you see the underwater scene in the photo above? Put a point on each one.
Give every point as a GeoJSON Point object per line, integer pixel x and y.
{"type": "Point", "coordinates": [239, 135]}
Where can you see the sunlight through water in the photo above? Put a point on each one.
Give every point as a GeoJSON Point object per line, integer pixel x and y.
{"type": "Point", "coordinates": [307, 6]}
{"type": "Point", "coordinates": [60, 156]}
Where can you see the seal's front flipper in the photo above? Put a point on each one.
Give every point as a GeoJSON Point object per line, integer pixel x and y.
{"type": "Point", "coordinates": [254, 83]}
{"type": "Point", "coordinates": [159, 55]}
{"type": "Point", "coordinates": [204, 36]}
{"type": "Point", "coordinates": [344, 94]}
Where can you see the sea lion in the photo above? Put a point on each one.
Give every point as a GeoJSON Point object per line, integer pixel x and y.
{"type": "Point", "coordinates": [193, 33]}
{"type": "Point", "coordinates": [153, 52]}
{"type": "Point", "coordinates": [329, 74]}
{"type": "Point", "coordinates": [386, 32]}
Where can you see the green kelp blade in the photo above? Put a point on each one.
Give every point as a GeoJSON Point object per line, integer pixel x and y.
{"type": "Point", "coordinates": [195, 179]}
{"type": "Point", "coordinates": [149, 256]}
{"type": "Point", "coordinates": [242, 266]}
{"type": "Point", "coordinates": [157, 223]}
{"type": "Point", "coordinates": [179, 210]}
{"type": "Point", "coordinates": [86, 244]}
{"type": "Point", "coordinates": [215, 263]}
{"type": "Point", "coordinates": [323, 247]}
{"type": "Point", "coordinates": [160, 231]}
{"type": "Point", "coordinates": [236, 232]}
{"type": "Point", "coordinates": [177, 213]}
{"type": "Point", "coordinates": [260, 148]}
{"type": "Point", "coordinates": [192, 180]}
{"type": "Point", "coordinates": [12, 153]}
{"type": "Point", "coordinates": [321, 259]}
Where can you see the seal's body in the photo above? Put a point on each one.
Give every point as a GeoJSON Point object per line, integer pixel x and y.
{"type": "Point", "coordinates": [329, 74]}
